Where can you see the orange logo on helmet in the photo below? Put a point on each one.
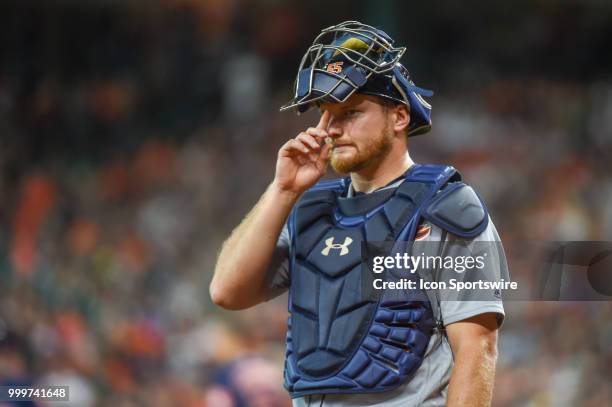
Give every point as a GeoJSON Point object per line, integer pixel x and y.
{"type": "Point", "coordinates": [335, 67]}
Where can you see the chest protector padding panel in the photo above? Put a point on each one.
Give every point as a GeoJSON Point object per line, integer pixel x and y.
{"type": "Point", "coordinates": [345, 336]}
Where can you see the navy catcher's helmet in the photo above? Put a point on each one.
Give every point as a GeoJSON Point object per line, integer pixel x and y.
{"type": "Point", "coordinates": [353, 57]}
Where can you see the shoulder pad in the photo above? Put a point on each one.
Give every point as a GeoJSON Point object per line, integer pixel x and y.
{"type": "Point", "coordinates": [323, 191]}
{"type": "Point", "coordinates": [458, 210]}
{"type": "Point", "coordinates": [334, 184]}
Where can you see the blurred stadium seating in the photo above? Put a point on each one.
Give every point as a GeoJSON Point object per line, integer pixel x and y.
{"type": "Point", "coordinates": [134, 135]}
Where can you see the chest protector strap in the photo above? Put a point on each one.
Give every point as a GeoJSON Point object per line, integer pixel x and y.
{"type": "Point", "coordinates": [345, 336]}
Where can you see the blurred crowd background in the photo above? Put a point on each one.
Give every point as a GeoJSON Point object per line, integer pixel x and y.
{"type": "Point", "coordinates": [134, 135]}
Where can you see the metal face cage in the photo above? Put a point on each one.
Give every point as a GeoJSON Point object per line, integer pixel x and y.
{"type": "Point", "coordinates": [351, 57]}
{"type": "Point", "coordinates": [340, 60]}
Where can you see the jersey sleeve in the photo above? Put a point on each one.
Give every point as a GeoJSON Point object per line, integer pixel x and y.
{"type": "Point", "coordinates": [469, 303]}
{"type": "Point", "coordinates": [277, 276]}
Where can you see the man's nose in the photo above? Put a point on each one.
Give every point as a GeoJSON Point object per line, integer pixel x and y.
{"type": "Point", "coordinates": [335, 128]}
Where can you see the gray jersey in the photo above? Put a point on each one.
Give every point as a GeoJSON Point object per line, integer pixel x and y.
{"type": "Point", "coordinates": [429, 385]}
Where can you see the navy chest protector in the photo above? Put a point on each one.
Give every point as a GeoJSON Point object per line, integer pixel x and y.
{"type": "Point", "coordinates": [345, 336]}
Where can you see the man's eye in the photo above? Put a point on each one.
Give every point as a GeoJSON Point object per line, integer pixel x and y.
{"type": "Point", "coordinates": [351, 112]}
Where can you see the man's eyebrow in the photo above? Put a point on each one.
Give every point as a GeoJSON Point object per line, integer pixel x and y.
{"type": "Point", "coordinates": [346, 107]}
{"type": "Point", "coordinates": [355, 106]}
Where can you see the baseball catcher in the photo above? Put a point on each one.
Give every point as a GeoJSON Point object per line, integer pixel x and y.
{"type": "Point", "coordinates": [349, 343]}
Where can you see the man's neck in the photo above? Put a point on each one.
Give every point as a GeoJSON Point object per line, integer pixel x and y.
{"type": "Point", "coordinates": [374, 177]}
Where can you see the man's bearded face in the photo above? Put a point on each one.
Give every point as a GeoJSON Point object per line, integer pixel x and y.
{"type": "Point", "coordinates": [345, 159]}
{"type": "Point", "coordinates": [361, 131]}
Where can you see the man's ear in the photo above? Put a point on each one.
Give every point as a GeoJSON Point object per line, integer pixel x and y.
{"type": "Point", "coordinates": [402, 119]}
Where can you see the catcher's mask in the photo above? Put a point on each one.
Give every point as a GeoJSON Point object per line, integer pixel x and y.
{"type": "Point", "coordinates": [353, 57]}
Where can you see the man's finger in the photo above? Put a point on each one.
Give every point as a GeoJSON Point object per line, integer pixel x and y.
{"type": "Point", "coordinates": [294, 146]}
{"type": "Point", "coordinates": [324, 121]}
{"type": "Point", "coordinates": [317, 133]}
{"type": "Point", "coordinates": [325, 153]}
{"type": "Point", "coordinates": [309, 140]}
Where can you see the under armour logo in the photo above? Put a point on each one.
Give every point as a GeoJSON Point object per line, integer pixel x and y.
{"type": "Point", "coordinates": [329, 243]}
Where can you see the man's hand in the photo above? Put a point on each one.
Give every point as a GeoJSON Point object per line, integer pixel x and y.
{"type": "Point", "coordinates": [240, 274]}
{"type": "Point", "coordinates": [302, 161]}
